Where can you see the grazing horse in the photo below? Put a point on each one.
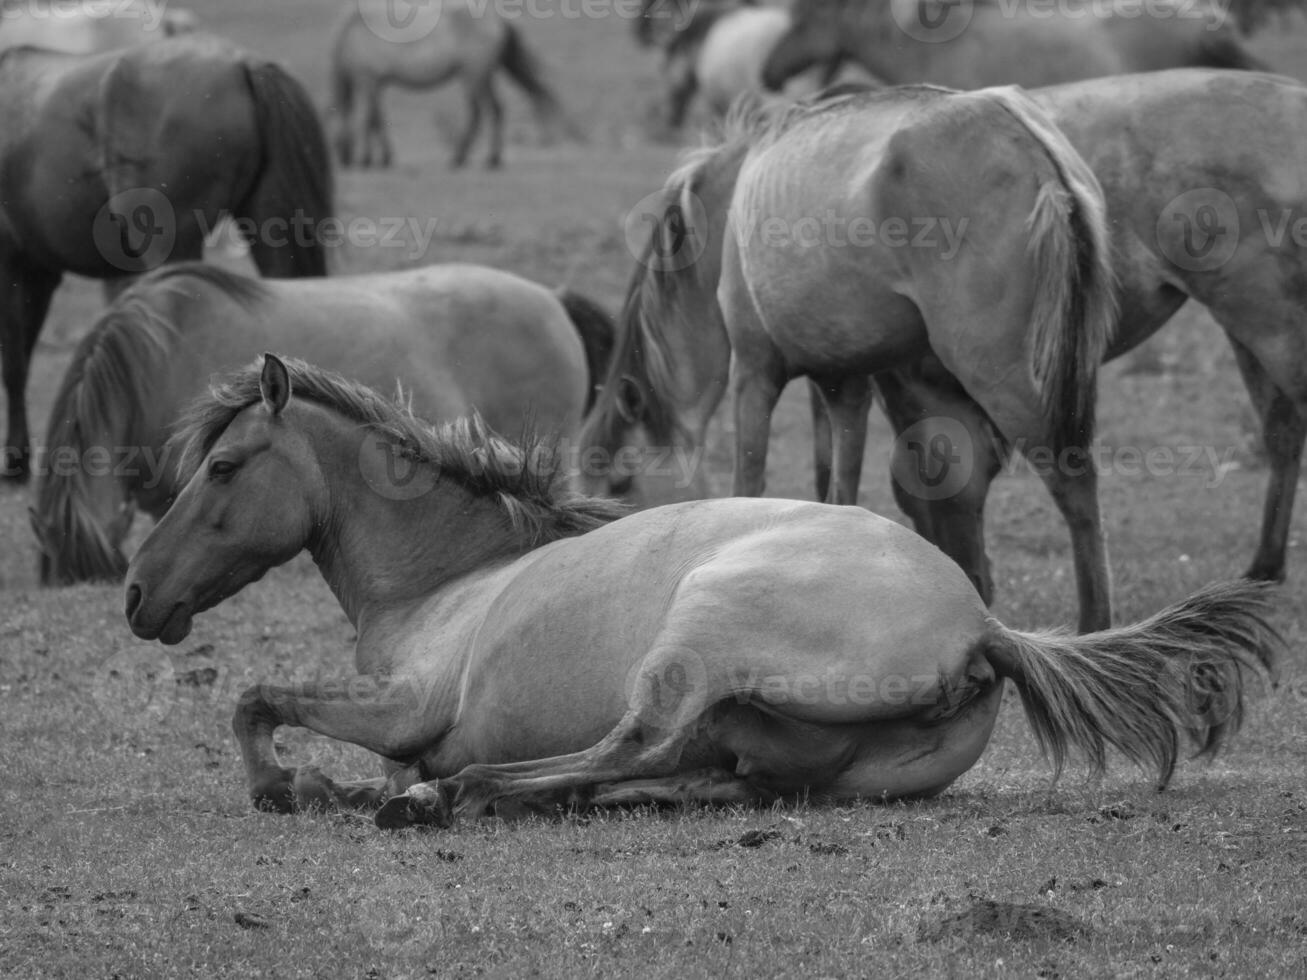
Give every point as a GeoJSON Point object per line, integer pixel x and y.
{"type": "Point", "coordinates": [1171, 150]}
{"type": "Point", "coordinates": [993, 42]}
{"type": "Point", "coordinates": [518, 647]}
{"type": "Point", "coordinates": [463, 40]}
{"type": "Point", "coordinates": [867, 230]}
{"type": "Point", "coordinates": [112, 164]}
{"type": "Point", "coordinates": [455, 337]}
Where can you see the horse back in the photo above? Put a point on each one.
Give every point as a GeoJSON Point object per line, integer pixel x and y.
{"type": "Point", "coordinates": [175, 114]}
{"type": "Point", "coordinates": [466, 36]}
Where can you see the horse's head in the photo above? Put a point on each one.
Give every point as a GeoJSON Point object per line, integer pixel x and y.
{"type": "Point", "coordinates": [248, 507]}
{"type": "Point", "coordinates": [635, 451]}
{"type": "Point", "coordinates": [816, 35]}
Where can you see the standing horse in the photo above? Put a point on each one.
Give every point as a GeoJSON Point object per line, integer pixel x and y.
{"type": "Point", "coordinates": [456, 337]}
{"type": "Point", "coordinates": [81, 29]}
{"type": "Point", "coordinates": [867, 230]}
{"type": "Point", "coordinates": [114, 163]}
{"type": "Point", "coordinates": [1234, 146]}
{"type": "Point", "coordinates": [464, 40]}
{"type": "Point", "coordinates": [719, 55]}
{"type": "Point", "coordinates": [992, 42]}
{"type": "Point", "coordinates": [521, 647]}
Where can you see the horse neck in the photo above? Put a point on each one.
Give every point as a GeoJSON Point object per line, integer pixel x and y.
{"type": "Point", "coordinates": [382, 545]}
{"type": "Point", "coordinates": [699, 349]}
{"type": "Point", "coordinates": [873, 39]}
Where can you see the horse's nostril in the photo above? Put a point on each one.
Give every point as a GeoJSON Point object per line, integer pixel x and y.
{"type": "Point", "coordinates": [134, 597]}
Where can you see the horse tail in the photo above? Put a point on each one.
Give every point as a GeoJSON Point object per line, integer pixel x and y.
{"type": "Point", "coordinates": [1074, 311]}
{"type": "Point", "coordinates": [1136, 688]}
{"type": "Point", "coordinates": [296, 181]}
{"type": "Point", "coordinates": [598, 337]}
{"type": "Point", "coordinates": [1224, 51]}
{"type": "Point", "coordinates": [101, 398]}
{"type": "Point", "coordinates": [524, 68]}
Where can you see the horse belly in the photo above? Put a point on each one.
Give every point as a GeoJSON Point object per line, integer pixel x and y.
{"type": "Point", "coordinates": [822, 257]}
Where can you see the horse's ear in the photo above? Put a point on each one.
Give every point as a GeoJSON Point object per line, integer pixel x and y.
{"type": "Point", "coordinates": [274, 384]}
{"type": "Point", "coordinates": [630, 400]}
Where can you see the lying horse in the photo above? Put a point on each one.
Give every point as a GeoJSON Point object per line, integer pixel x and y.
{"type": "Point", "coordinates": [456, 337]}
{"type": "Point", "coordinates": [525, 648]}
{"type": "Point", "coordinates": [992, 42]}
{"type": "Point", "coordinates": [115, 163]}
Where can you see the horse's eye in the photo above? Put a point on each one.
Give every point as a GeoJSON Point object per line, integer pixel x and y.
{"type": "Point", "coordinates": [221, 469]}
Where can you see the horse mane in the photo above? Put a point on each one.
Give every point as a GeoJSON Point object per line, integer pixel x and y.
{"type": "Point", "coordinates": [527, 477]}
{"type": "Point", "coordinates": [107, 387]}
{"type": "Point", "coordinates": [655, 295]}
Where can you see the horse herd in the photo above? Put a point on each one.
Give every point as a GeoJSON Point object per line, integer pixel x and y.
{"type": "Point", "coordinates": [527, 644]}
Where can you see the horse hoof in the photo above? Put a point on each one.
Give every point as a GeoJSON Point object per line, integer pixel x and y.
{"type": "Point", "coordinates": [495, 164]}
{"type": "Point", "coordinates": [1265, 573]}
{"type": "Point", "coordinates": [423, 805]}
{"type": "Point", "coordinates": [311, 790]}
{"type": "Point", "coordinates": [276, 795]}
{"type": "Point", "coordinates": [15, 469]}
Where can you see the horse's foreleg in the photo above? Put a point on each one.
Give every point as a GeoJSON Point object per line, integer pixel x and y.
{"type": "Point", "coordinates": [822, 441]}
{"type": "Point", "coordinates": [848, 399]}
{"type": "Point", "coordinates": [26, 300]}
{"type": "Point", "coordinates": [495, 158]}
{"type": "Point", "coordinates": [1283, 431]}
{"type": "Point", "coordinates": [756, 392]}
{"type": "Point", "coordinates": [376, 133]}
{"type": "Point", "coordinates": [389, 719]}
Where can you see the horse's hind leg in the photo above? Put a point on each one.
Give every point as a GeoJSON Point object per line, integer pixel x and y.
{"type": "Point", "coordinates": [1283, 431]}
{"type": "Point", "coordinates": [495, 158]}
{"type": "Point", "coordinates": [26, 299]}
{"type": "Point", "coordinates": [945, 459]}
{"type": "Point", "coordinates": [472, 126]}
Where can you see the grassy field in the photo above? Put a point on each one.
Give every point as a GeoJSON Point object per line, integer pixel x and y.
{"type": "Point", "coordinates": [127, 848]}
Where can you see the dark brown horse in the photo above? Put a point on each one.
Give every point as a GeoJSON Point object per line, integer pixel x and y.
{"type": "Point", "coordinates": [113, 164]}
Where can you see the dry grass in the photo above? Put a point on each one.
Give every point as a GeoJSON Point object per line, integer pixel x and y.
{"type": "Point", "coordinates": [126, 846]}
